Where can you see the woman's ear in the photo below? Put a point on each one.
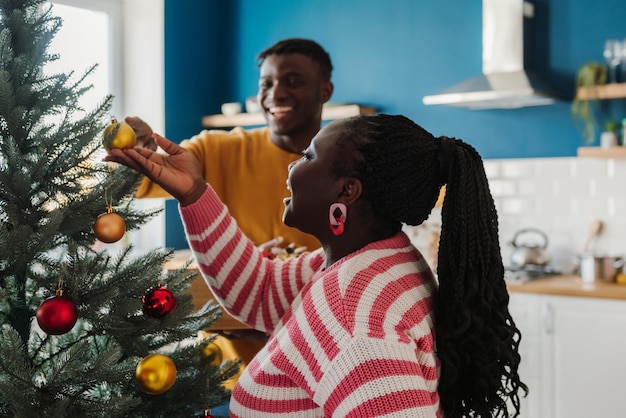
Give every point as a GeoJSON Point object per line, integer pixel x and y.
{"type": "Point", "coordinates": [352, 190]}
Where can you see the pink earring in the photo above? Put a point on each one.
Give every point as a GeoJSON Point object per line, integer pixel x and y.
{"type": "Point", "coordinates": [337, 221]}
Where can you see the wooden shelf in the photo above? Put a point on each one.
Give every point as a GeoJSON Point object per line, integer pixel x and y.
{"type": "Point", "coordinates": [603, 92]}
{"type": "Point", "coordinates": [599, 152]}
{"type": "Point", "coordinates": [329, 112]}
{"type": "Point", "coordinates": [606, 91]}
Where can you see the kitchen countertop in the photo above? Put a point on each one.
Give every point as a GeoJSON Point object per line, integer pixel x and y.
{"type": "Point", "coordinates": [569, 285]}
{"type": "Point", "coordinates": [560, 285]}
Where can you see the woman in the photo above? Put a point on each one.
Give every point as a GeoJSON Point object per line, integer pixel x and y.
{"type": "Point", "coordinates": [353, 323]}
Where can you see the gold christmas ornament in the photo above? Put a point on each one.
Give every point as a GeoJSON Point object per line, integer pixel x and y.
{"type": "Point", "coordinates": [213, 349]}
{"type": "Point", "coordinates": [155, 374]}
{"type": "Point", "coordinates": [118, 135]}
{"type": "Point", "coordinates": [109, 227]}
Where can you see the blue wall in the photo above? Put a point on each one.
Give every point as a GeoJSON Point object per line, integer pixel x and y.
{"type": "Point", "coordinates": [198, 68]}
{"type": "Point", "coordinates": [386, 53]}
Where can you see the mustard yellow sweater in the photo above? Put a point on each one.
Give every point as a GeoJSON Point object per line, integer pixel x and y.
{"type": "Point", "coordinates": [249, 173]}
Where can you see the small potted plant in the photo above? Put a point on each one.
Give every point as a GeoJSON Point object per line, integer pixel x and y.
{"type": "Point", "coordinates": [609, 137]}
{"type": "Point", "coordinates": [589, 75]}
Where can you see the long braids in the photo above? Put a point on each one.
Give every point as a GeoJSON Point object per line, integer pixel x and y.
{"type": "Point", "coordinates": [477, 340]}
{"type": "Point", "coordinates": [402, 167]}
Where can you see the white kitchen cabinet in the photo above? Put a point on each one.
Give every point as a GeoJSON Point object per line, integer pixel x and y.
{"type": "Point", "coordinates": [584, 354]}
{"type": "Point", "coordinates": [525, 310]}
{"type": "Point", "coordinates": [573, 355]}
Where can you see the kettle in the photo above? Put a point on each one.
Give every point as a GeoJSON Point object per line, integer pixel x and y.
{"type": "Point", "coordinates": [526, 254]}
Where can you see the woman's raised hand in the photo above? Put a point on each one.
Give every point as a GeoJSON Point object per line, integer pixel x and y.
{"type": "Point", "coordinates": [177, 171]}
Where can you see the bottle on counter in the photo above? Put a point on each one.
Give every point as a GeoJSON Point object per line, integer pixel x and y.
{"type": "Point", "coordinates": [623, 130]}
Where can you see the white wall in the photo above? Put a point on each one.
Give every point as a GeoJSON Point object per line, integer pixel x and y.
{"type": "Point", "coordinates": [143, 61]}
{"type": "Point", "coordinates": [143, 86]}
{"type": "Point", "coordinates": [135, 69]}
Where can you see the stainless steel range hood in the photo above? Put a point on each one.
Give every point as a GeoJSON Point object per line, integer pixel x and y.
{"type": "Point", "coordinates": [504, 83]}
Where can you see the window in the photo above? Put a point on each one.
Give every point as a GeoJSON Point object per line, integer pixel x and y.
{"type": "Point", "coordinates": [96, 32]}
{"type": "Point", "coordinates": [89, 35]}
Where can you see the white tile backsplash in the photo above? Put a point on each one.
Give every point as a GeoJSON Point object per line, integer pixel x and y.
{"type": "Point", "coordinates": [551, 168]}
{"type": "Point", "coordinates": [492, 169]}
{"type": "Point", "coordinates": [518, 169]}
{"type": "Point", "coordinates": [503, 187]}
{"type": "Point", "coordinates": [559, 196]}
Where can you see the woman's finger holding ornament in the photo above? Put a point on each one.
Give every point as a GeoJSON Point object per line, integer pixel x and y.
{"type": "Point", "coordinates": [144, 161]}
{"type": "Point", "coordinates": [143, 132]}
{"type": "Point", "coordinates": [177, 171]}
{"type": "Point", "coordinates": [122, 157]}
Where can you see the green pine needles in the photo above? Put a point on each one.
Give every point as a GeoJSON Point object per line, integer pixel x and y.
{"type": "Point", "coordinates": [51, 191]}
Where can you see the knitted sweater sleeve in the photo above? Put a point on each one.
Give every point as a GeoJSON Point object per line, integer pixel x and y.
{"type": "Point", "coordinates": [252, 288]}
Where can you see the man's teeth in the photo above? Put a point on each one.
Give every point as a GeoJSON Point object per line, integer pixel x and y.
{"type": "Point", "coordinates": [279, 109]}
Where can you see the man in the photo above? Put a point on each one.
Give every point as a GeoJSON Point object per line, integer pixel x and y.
{"type": "Point", "coordinates": [248, 168]}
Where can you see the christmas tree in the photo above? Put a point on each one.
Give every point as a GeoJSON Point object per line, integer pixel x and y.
{"type": "Point", "coordinates": [85, 331]}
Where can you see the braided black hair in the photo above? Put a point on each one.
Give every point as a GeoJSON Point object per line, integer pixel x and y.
{"type": "Point", "coordinates": [301, 46]}
{"type": "Point", "coordinates": [403, 167]}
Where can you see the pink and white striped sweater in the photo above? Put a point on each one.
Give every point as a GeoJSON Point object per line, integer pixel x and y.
{"type": "Point", "coordinates": [353, 340]}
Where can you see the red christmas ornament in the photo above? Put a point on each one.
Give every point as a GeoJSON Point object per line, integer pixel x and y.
{"type": "Point", "coordinates": [57, 314]}
{"type": "Point", "coordinates": [158, 302]}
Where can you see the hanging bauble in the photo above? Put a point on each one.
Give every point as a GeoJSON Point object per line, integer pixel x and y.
{"type": "Point", "coordinates": [57, 314]}
{"type": "Point", "coordinates": [118, 135]}
{"type": "Point", "coordinates": [155, 374]}
{"type": "Point", "coordinates": [109, 227]}
{"type": "Point", "coordinates": [207, 414]}
{"type": "Point", "coordinates": [158, 302]}
{"type": "Point", "coordinates": [212, 349]}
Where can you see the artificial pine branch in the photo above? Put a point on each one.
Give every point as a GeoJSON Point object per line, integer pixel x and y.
{"type": "Point", "coordinates": [51, 192]}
